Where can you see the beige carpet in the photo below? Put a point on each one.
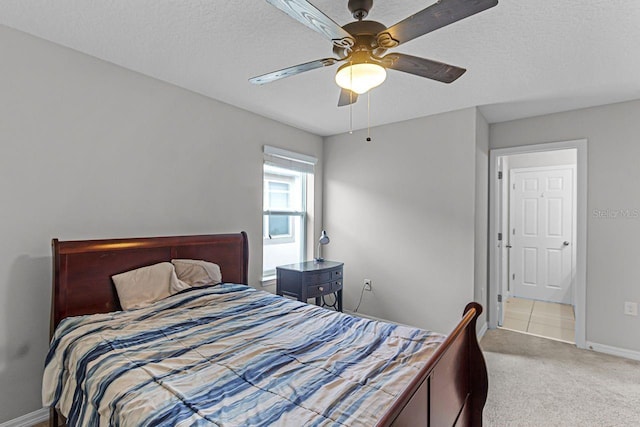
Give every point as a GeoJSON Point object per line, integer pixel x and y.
{"type": "Point", "coordinates": [539, 382]}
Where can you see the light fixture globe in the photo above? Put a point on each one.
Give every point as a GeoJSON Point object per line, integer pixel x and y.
{"type": "Point", "coordinates": [361, 77]}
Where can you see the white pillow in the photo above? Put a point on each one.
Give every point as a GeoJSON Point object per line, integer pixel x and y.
{"type": "Point", "coordinates": [146, 285]}
{"type": "Point", "coordinates": [197, 272]}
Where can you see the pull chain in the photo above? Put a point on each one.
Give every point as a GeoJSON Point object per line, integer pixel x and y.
{"type": "Point", "coordinates": [350, 118]}
{"type": "Point", "coordinates": [369, 116]}
{"type": "Point", "coordinates": [351, 100]}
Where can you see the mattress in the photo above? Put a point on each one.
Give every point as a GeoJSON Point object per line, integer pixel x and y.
{"type": "Point", "coordinates": [230, 355]}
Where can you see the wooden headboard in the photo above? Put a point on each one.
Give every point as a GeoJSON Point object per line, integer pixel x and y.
{"type": "Point", "coordinates": [82, 269]}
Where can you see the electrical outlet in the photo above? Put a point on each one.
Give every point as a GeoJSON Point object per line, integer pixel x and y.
{"type": "Point", "coordinates": [631, 308]}
{"type": "Point", "coordinates": [367, 284]}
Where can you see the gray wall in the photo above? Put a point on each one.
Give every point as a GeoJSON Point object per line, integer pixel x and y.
{"type": "Point", "coordinates": [547, 158]}
{"type": "Point", "coordinates": [481, 243]}
{"type": "Point", "coordinates": [613, 176]}
{"type": "Point", "coordinates": [91, 150]}
{"type": "Point", "coordinates": [401, 211]}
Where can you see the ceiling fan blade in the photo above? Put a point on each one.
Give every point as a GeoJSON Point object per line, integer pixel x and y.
{"type": "Point", "coordinates": [347, 97]}
{"type": "Point", "coordinates": [438, 15]}
{"type": "Point", "coordinates": [423, 67]}
{"type": "Point", "coordinates": [292, 71]}
{"type": "Point", "coordinates": [312, 17]}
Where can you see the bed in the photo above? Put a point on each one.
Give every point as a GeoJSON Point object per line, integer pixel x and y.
{"type": "Point", "coordinates": [409, 377]}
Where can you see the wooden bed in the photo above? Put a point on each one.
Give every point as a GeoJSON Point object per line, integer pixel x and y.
{"type": "Point", "coordinates": [450, 390]}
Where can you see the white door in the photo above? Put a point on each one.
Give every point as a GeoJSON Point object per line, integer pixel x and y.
{"type": "Point", "coordinates": [541, 223]}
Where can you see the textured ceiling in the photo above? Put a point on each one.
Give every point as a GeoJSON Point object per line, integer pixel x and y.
{"type": "Point", "coordinates": [523, 57]}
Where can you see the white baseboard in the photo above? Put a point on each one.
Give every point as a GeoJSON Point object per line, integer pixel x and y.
{"type": "Point", "coordinates": [614, 351]}
{"type": "Point", "coordinates": [29, 419]}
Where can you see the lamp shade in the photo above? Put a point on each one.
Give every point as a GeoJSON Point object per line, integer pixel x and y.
{"type": "Point", "coordinates": [361, 77]}
{"type": "Point", "coordinates": [324, 239]}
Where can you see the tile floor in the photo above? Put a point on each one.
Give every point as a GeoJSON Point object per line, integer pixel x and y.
{"type": "Point", "coordinates": [545, 319]}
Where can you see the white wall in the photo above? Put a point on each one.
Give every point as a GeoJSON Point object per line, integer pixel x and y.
{"type": "Point", "coordinates": [613, 175]}
{"type": "Point", "coordinates": [401, 211]}
{"type": "Point", "coordinates": [91, 150]}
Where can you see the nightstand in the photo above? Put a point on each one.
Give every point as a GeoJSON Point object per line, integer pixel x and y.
{"type": "Point", "coordinates": [311, 279]}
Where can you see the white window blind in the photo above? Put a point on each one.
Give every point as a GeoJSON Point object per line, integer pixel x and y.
{"type": "Point", "coordinates": [286, 159]}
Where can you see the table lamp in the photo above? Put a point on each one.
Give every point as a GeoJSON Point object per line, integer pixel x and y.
{"type": "Point", "coordinates": [323, 240]}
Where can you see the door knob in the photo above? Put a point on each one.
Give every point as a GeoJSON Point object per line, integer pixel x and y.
{"type": "Point", "coordinates": [565, 243]}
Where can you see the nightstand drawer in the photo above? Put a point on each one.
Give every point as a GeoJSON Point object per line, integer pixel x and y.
{"type": "Point", "coordinates": [324, 288]}
{"type": "Point", "coordinates": [322, 277]}
{"type": "Point", "coordinates": [317, 278]}
{"type": "Point", "coordinates": [319, 290]}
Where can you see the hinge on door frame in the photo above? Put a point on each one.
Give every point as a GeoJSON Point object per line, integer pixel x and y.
{"type": "Point", "coordinates": [499, 298]}
{"type": "Point", "coordinates": [499, 237]}
{"type": "Point", "coordinates": [499, 174]}
{"type": "Point", "coordinates": [513, 276]}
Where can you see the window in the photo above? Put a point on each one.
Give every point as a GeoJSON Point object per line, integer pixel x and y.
{"type": "Point", "coordinates": [284, 197]}
{"type": "Point", "coordinates": [285, 219]}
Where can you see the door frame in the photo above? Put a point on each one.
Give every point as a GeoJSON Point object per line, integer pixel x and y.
{"type": "Point", "coordinates": [581, 229]}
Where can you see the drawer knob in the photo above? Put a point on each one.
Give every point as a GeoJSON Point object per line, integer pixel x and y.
{"type": "Point", "coordinates": [320, 288]}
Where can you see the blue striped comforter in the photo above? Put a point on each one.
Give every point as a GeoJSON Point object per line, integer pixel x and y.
{"type": "Point", "coordinates": [230, 355]}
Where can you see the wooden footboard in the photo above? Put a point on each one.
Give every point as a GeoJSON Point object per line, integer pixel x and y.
{"type": "Point", "coordinates": [451, 389]}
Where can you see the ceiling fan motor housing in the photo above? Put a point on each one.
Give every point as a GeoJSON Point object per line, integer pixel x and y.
{"type": "Point", "coordinates": [360, 8]}
{"type": "Point", "coordinates": [365, 34]}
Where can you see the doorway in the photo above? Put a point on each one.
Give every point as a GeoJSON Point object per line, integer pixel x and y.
{"type": "Point", "coordinates": [538, 238]}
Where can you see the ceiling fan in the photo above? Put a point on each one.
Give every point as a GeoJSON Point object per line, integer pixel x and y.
{"type": "Point", "coordinates": [362, 44]}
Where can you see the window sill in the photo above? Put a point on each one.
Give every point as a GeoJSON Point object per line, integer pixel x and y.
{"type": "Point", "coordinates": [268, 281]}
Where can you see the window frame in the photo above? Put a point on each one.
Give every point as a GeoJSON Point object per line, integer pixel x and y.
{"type": "Point", "coordinates": [304, 165]}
